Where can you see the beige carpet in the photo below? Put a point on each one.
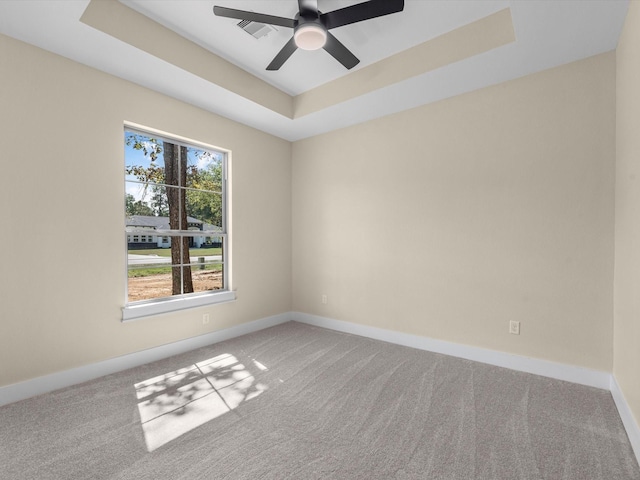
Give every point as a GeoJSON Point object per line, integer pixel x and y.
{"type": "Point", "coordinates": [299, 402]}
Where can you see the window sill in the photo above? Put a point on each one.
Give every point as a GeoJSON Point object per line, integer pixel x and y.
{"type": "Point", "coordinates": [132, 312]}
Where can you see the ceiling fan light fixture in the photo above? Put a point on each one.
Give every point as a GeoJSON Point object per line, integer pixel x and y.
{"type": "Point", "coordinates": [311, 27]}
{"type": "Point", "coordinates": [310, 37]}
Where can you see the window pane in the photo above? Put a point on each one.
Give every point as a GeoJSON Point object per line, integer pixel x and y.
{"type": "Point", "coordinates": [144, 158]}
{"type": "Point", "coordinates": [147, 282]}
{"type": "Point", "coordinates": [209, 278]}
{"type": "Point", "coordinates": [206, 265]}
{"type": "Point", "coordinates": [146, 200]}
{"type": "Point", "coordinates": [152, 209]}
{"type": "Point", "coordinates": [204, 170]}
{"type": "Point", "coordinates": [205, 207]}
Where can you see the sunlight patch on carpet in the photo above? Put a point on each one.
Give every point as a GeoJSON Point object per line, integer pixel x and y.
{"type": "Point", "coordinates": [175, 403]}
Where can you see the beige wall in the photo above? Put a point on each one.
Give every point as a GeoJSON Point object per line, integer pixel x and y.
{"type": "Point", "coordinates": [61, 208]}
{"type": "Point", "coordinates": [451, 219]}
{"type": "Point", "coordinates": [626, 363]}
{"type": "Point", "coordinates": [445, 221]}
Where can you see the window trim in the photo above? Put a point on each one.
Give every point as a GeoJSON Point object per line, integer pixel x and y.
{"type": "Point", "coordinates": [152, 307]}
{"type": "Point", "coordinates": [171, 304]}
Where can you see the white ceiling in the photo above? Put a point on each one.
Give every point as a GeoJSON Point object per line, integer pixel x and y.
{"type": "Point", "coordinates": [548, 33]}
{"type": "Point", "coordinates": [370, 40]}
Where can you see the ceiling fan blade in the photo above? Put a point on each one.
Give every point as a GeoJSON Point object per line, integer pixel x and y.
{"type": "Point", "coordinates": [283, 55]}
{"type": "Point", "coordinates": [340, 52]}
{"type": "Point", "coordinates": [308, 6]}
{"type": "Point", "coordinates": [253, 17]}
{"type": "Point", "coordinates": [361, 11]}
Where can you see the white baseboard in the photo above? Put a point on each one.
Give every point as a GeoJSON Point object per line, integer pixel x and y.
{"type": "Point", "coordinates": [569, 373]}
{"type": "Point", "coordinates": [36, 386]}
{"type": "Point", "coordinates": [628, 420]}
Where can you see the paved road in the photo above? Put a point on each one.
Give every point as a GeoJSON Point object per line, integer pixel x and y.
{"type": "Point", "coordinates": [156, 259]}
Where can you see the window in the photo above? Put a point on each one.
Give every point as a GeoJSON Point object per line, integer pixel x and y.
{"type": "Point", "coordinates": [176, 190]}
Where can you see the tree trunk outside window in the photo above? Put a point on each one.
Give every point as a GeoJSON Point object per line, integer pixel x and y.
{"type": "Point", "coordinates": [175, 158]}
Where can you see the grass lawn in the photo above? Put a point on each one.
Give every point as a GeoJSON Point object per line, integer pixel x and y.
{"type": "Point", "coordinates": [166, 252]}
{"type": "Point", "coordinates": [145, 271]}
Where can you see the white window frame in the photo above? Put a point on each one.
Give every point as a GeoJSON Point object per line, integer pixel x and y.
{"type": "Point", "coordinates": [174, 303]}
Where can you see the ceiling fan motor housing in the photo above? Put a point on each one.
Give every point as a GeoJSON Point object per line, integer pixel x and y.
{"type": "Point", "coordinates": [309, 32]}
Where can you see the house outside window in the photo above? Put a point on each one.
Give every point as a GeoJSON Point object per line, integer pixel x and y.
{"type": "Point", "coordinates": [175, 192]}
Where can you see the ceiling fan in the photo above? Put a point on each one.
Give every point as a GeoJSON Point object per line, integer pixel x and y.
{"type": "Point", "coordinates": [311, 27]}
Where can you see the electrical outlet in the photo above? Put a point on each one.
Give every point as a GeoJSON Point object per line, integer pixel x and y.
{"type": "Point", "coordinates": [324, 299]}
{"type": "Point", "coordinates": [514, 327]}
{"type": "Point", "coordinates": [205, 318]}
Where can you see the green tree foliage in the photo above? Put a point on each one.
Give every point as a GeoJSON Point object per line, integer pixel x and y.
{"type": "Point", "coordinates": [204, 205]}
{"type": "Point", "coordinates": [136, 207]}
{"type": "Point", "coordinates": [158, 201]}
